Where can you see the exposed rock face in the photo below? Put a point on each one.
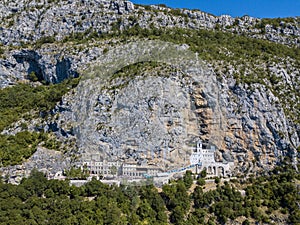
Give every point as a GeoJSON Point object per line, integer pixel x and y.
{"type": "Point", "coordinates": [21, 22]}
{"type": "Point", "coordinates": [257, 128]}
{"type": "Point", "coordinates": [149, 116]}
{"type": "Point", "coordinates": [158, 118]}
{"type": "Point", "coordinates": [122, 7]}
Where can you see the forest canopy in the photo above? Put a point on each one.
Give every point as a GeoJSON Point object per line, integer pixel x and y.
{"type": "Point", "coordinates": [40, 201]}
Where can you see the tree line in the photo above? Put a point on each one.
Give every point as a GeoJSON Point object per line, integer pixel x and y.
{"type": "Point", "coordinates": [40, 201]}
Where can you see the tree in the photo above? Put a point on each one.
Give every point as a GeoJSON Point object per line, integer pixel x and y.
{"type": "Point", "coordinates": [49, 193]}
{"type": "Point", "coordinates": [177, 215]}
{"type": "Point", "coordinates": [77, 173]}
{"type": "Point", "coordinates": [246, 222]}
{"type": "Point", "coordinates": [113, 214]}
{"type": "Point", "coordinates": [198, 197]}
{"type": "Point", "coordinates": [113, 170]}
{"type": "Point", "coordinates": [145, 212]}
{"type": "Point", "coordinates": [217, 180]}
{"type": "Point", "coordinates": [201, 181]}
{"type": "Point", "coordinates": [95, 187]}
{"type": "Point", "coordinates": [211, 221]}
{"type": "Point", "coordinates": [36, 183]}
{"type": "Point", "coordinates": [197, 217]}
{"type": "Point", "coordinates": [188, 179]}
{"type": "Point", "coordinates": [33, 77]}
{"type": "Point", "coordinates": [181, 197]}
{"type": "Point", "coordinates": [203, 173]}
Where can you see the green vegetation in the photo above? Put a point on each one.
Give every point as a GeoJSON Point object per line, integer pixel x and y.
{"type": "Point", "coordinates": [275, 23]}
{"type": "Point", "coordinates": [44, 40]}
{"type": "Point", "coordinates": [201, 181]}
{"type": "Point", "coordinates": [127, 73]}
{"type": "Point", "coordinates": [40, 201]}
{"type": "Point", "coordinates": [52, 143]}
{"type": "Point", "coordinates": [264, 197]}
{"type": "Point", "coordinates": [207, 42]}
{"type": "Point", "coordinates": [188, 179]}
{"type": "Point", "coordinates": [278, 22]}
{"type": "Point", "coordinates": [177, 12]}
{"type": "Point", "coordinates": [33, 77]}
{"type": "Point", "coordinates": [20, 99]}
{"type": "Point", "coordinates": [15, 148]}
{"type": "Point", "coordinates": [77, 173]}
{"type": "Point", "coordinates": [27, 102]}
{"type": "Point", "coordinates": [1, 50]}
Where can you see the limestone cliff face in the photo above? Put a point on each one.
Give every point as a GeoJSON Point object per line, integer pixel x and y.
{"type": "Point", "coordinates": [257, 128]}
{"type": "Point", "coordinates": [128, 108]}
{"type": "Point", "coordinates": [146, 111]}
{"type": "Point", "coordinates": [155, 114]}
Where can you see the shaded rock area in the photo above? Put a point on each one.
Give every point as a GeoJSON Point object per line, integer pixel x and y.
{"type": "Point", "coordinates": [46, 66]}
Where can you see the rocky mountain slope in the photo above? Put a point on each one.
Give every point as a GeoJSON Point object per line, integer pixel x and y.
{"type": "Point", "coordinates": [154, 80]}
{"type": "Point", "coordinates": [30, 20]}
